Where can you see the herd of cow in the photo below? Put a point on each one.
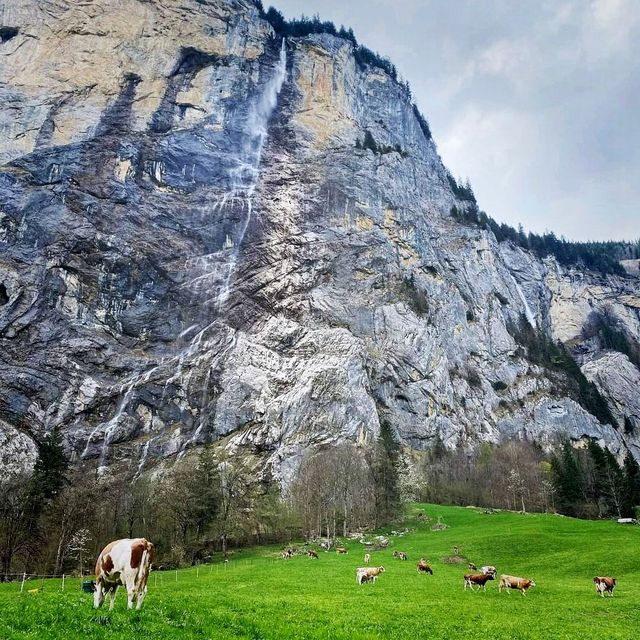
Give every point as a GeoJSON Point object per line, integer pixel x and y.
{"type": "Point", "coordinates": [471, 580]}
{"type": "Point", "coordinates": [128, 563]}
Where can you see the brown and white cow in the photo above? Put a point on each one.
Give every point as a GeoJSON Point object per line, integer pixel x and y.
{"type": "Point", "coordinates": [367, 558]}
{"type": "Point", "coordinates": [423, 566]}
{"type": "Point", "coordinates": [513, 582]}
{"type": "Point", "coordinates": [123, 562]}
{"type": "Point", "coordinates": [604, 584]}
{"type": "Point", "coordinates": [312, 553]}
{"type": "Point", "coordinates": [341, 550]}
{"type": "Point", "coordinates": [477, 579]}
{"type": "Point", "coordinates": [368, 574]}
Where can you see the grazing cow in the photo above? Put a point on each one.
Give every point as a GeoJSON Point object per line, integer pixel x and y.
{"type": "Point", "coordinates": [472, 566]}
{"type": "Point", "coordinates": [367, 558]}
{"type": "Point", "coordinates": [488, 569]}
{"type": "Point", "coordinates": [312, 553]}
{"type": "Point", "coordinates": [124, 562]}
{"type": "Point", "coordinates": [604, 584]}
{"type": "Point", "coordinates": [513, 582]}
{"type": "Point", "coordinates": [341, 550]}
{"type": "Point", "coordinates": [401, 555]}
{"type": "Point", "coordinates": [368, 574]}
{"type": "Point", "coordinates": [479, 579]}
{"type": "Point", "coordinates": [424, 567]}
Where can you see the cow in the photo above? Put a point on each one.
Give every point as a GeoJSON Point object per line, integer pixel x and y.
{"type": "Point", "coordinates": [423, 567]}
{"type": "Point", "coordinates": [124, 562]}
{"type": "Point", "coordinates": [341, 550]}
{"type": "Point", "coordinates": [473, 566]}
{"type": "Point", "coordinates": [513, 582]}
{"type": "Point", "coordinates": [401, 555]}
{"type": "Point", "coordinates": [312, 553]}
{"type": "Point", "coordinates": [367, 558]}
{"type": "Point", "coordinates": [479, 579]}
{"type": "Point", "coordinates": [368, 574]}
{"type": "Point", "coordinates": [486, 570]}
{"type": "Point", "coordinates": [604, 584]}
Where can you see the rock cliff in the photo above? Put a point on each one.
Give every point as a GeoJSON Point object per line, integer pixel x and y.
{"type": "Point", "coordinates": [210, 233]}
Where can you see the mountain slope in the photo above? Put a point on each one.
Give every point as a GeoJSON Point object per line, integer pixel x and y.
{"type": "Point", "coordinates": [210, 232]}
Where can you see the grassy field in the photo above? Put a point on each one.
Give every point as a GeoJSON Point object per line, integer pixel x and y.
{"type": "Point", "coordinates": [260, 596]}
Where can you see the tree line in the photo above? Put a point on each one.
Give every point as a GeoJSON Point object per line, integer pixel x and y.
{"type": "Point", "coordinates": [55, 520]}
{"type": "Point", "coordinates": [602, 257]}
{"type": "Point", "coordinates": [585, 482]}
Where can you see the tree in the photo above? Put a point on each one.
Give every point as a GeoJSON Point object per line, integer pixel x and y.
{"type": "Point", "coordinates": [237, 491]}
{"type": "Point", "coordinates": [386, 473]}
{"type": "Point", "coordinates": [630, 486]}
{"type": "Point", "coordinates": [14, 497]}
{"type": "Point", "coordinates": [608, 477]}
{"type": "Point", "coordinates": [49, 472]}
{"type": "Point", "coordinates": [190, 501]}
{"type": "Point", "coordinates": [568, 480]}
{"type": "Point", "coordinates": [517, 487]}
{"type": "Point", "coordinates": [332, 489]}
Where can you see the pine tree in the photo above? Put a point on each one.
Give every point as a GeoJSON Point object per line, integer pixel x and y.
{"type": "Point", "coordinates": [630, 486]}
{"type": "Point", "coordinates": [387, 474]}
{"type": "Point", "coordinates": [609, 478]}
{"type": "Point", "coordinates": [568, 480]}
{"type": "Point", "coordinates": [49, 473]}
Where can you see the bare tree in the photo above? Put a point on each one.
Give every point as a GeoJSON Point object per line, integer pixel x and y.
{"type": "Point", "coordinates": [333, 487]}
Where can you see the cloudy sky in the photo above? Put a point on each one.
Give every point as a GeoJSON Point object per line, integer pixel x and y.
{"type": "Point", "coordinates": [536, 101]}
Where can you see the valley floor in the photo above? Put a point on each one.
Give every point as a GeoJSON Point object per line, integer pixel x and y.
{"type": "Point", "coordinates": [260, 596]}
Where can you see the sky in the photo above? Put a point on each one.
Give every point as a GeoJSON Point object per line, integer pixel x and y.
{"type": "Point", "coordinates": [536, 102]}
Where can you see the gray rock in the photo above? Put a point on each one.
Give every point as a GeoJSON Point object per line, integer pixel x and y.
{"type": "Point", "coordinates": [195, 249]}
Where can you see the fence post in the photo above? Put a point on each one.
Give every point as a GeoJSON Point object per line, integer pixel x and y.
{"type": "Point", "coordinates": [63, 581]}
{"type": "Point", "coordinates": [24, 577]}
{"type": "Point", "coordinates": [197, 571]}
{"type": "Point", "coordinates": [176, 575]}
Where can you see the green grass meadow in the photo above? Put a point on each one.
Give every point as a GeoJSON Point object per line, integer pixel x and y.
{"type": "Point", "coordinates": [258, 595]}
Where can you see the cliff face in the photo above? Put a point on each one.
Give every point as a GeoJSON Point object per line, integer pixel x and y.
{"type": "Point", "coordinates": [197, 246]}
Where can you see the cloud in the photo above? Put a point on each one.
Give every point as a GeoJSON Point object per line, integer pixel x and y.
{"type": "Point", "coordinates": [532, 101]}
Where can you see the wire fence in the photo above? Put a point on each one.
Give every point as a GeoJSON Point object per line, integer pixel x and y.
{"type": "Point", "coordinates": [36, 582]}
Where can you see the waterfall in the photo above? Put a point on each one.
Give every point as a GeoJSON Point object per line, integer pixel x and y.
{"type": "Point", "coordinates": [527, 309]}
{"type": "Point", "coordinates": [244, 176]}
{"type": "Point", "coordinates": [243, 179]}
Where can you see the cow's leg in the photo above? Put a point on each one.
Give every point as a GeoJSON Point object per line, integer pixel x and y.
{"type": "Point", "coordinates": [114, 591]}
{"type": "Point", "coordinates": [130, 585]}
{"type": "Point", "coordinates": [98, 594]}
{"type": "Point", "coordinates": [142, 592]}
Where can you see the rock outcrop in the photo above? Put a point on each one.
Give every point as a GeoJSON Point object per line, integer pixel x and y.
{"type": "Point", "coordinates": [198, 246]}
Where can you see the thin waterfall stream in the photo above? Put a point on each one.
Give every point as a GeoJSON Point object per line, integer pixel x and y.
{"type": "Point", "coordinates": [243, 180]}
